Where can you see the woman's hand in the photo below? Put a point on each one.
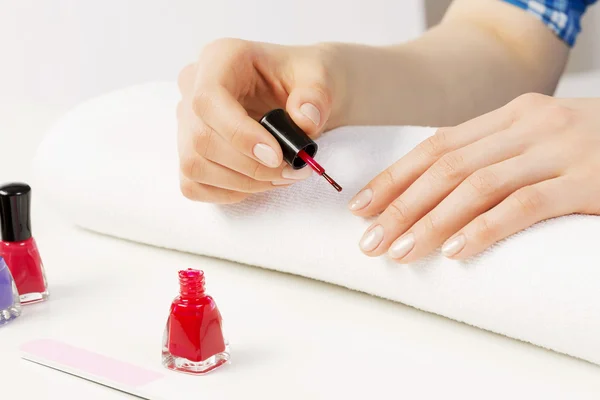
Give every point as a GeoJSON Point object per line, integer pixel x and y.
{"type": "Point", "coordinates": [225, 154]}
{"type": "Point", "coordinates": [471, 185]}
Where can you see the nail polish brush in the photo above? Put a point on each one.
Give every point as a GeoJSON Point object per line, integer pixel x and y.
{"type": "Point", "coordinates": [298, 148]}
{"type": "Point", "coordinates": [318, 169]}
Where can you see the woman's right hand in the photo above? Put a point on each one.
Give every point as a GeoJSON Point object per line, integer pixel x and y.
{"type": "Point", "coordinates": [225, 154]}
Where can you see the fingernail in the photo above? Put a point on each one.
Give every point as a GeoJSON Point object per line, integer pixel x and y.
{"type": "Point", "coordinates": [372, 238]}
{"type": "Point", "coordinates": [266, 154]}
{"type": "Point", "coordinates": [291, 173]}
{"type": "Point", "coordinates": [283, 182]}
{"type": "Point", "coordinates": [311, 112]}
{"type": "Point", "coordinates": [453, 246]}
{"type": "Point", "coordinates": [361, 200]}
{"type": "Point", "coordinates": [402, 246]}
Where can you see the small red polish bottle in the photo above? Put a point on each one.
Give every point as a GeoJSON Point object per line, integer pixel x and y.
{"type": "Point", "coordinates": [18, 247]}
{"type": "Point", "coordinates": [193, 340]}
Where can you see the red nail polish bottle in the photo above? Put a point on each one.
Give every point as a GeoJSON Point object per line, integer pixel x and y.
{"type": "Point", "coordinates": [18, 247]}
{"type": "Point", "coordinates": [193, 339]}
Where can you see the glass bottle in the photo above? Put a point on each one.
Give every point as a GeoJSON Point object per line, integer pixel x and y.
{"type": "Point", "coordinates": [10, 305]}
{"type": "Point", "coordinates": [17, 246]}
{"type": "Point", "coordinates": [193, 339]}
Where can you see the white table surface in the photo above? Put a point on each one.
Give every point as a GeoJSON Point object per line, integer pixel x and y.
{"type": "Point", "coordinates": [292, 338]}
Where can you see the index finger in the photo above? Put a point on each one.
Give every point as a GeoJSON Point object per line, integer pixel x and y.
{"type": "Point", "coordinates": [217, 108]}
{"type": "Point", "coordinates": [378, 194]}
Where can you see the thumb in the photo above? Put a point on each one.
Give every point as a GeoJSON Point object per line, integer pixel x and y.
{"type": "Point", "coordinates": [310, 108]}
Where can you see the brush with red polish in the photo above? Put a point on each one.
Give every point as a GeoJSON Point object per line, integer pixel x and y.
{"type": "Point", "coordinates": [297, 147]}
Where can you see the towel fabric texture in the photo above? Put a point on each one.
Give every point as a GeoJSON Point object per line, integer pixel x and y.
{"type": "Point", "coordinates": [111, 166]}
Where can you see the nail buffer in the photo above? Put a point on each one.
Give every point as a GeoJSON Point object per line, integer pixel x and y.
{"type": "Point", "coordinates": [94, 367]}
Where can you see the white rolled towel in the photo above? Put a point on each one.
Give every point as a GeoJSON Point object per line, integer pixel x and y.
{"type": "Point", "coordinates": [110, 165]}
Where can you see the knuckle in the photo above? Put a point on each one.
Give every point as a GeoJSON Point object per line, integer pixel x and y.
{"type": "Point", "coordinates": [484, 182]}
{"type": "Point", "coordinates": [398, 211]}
{"type": "Point", "coordinates": [558, 116]}
{"type": "Point", "coordinates": [530, 100]}
{"type": "Point", "coordinates": [528, 200]}
{"type": "Point", "coordinates": [388, 179]}
{"type": "Point", "coordinates": [262, 173]}
{"type": "Point", "coordinates": [485, 230]}
{"type": "Point", "coordinates": [203, 140]}
{"type": "Point", "coordinates": [437, 144]}
{"type": "Point", "coordinates": [208, 139]}
{"type": "Point", "coordinates": [248, 185]}
{"type": "Point", "coordinates": [199, 142]}
{"type": "Point", "coordinates": [449, 166]}
{"type": "Point", "coordinates": [256, 171]}
{"type": "Point", "coordinates": [192, 167]}
{"type": "Point", "coordinates": [188, 189]}
{"type": "Point", "coordinates": [237, 136]}
{"type": "Point", "coordinates": [430, 224]}
{"type": "Point", "coordinates": [202, 103]}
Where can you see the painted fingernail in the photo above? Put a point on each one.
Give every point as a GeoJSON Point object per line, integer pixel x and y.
{"type": "Point", "coordinates": [283, 182]}
{"type": "Point", "coordinates": [372, 238]}
{"type": "Point", "coordinates": [311, 112]}
{"type": "Point", "coordinates": [290, 173]}
{"type": "Point", "coordinates": [361, 200]}
{"type": "Point", "coordinates": [266, 154]}
{"type": "Point", "coordinates": [402, 246]}
{"type": "Point", "coordinates": [454, 246]}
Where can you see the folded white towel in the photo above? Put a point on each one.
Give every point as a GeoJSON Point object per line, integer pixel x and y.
{"type": "Point", "coordinates": [111, 166]}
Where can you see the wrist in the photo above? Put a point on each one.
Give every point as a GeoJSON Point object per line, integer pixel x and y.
{"type": "Point", "coordinates": [378, 85]}
{"type": "Point", "coordinates": [368, 82]}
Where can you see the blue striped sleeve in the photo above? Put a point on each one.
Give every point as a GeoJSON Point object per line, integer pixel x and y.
{"type": "Point", "coordinates": [563, 17]}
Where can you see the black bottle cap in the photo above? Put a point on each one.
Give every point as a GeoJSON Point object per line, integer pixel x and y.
{"type": "Point", "coordinates": [291, 138]}
{"type": "Point", "coordinates": [15, 219]}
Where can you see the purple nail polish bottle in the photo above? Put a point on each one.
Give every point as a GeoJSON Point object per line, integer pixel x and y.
{"type": "Point", "coordinates": [10, 306]}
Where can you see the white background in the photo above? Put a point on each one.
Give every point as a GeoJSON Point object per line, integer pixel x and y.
{"type": "Point", "coordinates": [62, 51]}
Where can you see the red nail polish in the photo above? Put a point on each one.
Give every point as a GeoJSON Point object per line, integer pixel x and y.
{"type": "Point", "coordinates": [193, 339]}
{"type": "Point", "coordinates": [18, 247]}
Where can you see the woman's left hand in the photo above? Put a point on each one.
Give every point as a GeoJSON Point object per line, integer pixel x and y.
{"type": "Point", "coordinates": [471, 185]}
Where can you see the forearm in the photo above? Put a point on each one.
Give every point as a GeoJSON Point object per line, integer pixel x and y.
{"type": "Point", "coordinates": [484, 54]}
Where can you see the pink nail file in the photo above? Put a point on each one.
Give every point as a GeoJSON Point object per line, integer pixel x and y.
{"type": "Point", "coordinates": [94, 367]}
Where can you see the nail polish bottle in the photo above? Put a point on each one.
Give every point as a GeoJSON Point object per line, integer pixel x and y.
{"type": "Point", "coordinates": [193, 339]}
{"type": "Point", "coordinates": [18, 247]}
{"type": "Point", "coordinates": [10, 305]}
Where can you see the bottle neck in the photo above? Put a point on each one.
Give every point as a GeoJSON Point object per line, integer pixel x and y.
{"type": "Point", "coordinates": [191, 284]}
